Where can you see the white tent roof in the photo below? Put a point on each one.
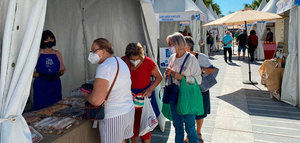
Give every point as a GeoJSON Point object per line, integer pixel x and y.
{"type": "Point", "coordinates": [262, 5]}
{"type": "Point", "coordinates": [201, 5]}
{"type": "Point", "coordinates": [212, 11]}
{"type": "Point", "coordinates": [173, 6]}
{"type": "Point", "coordinates": [184, 8]}
{"type": "Point", "coordinates": [270, 7]}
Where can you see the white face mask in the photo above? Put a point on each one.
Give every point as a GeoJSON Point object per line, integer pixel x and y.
{"type": "Point", "coordinates": [135, 63]}
{"type": "Point", "coordinates": [94, 58]}
{"type": "Point", "coordinates": [172, 49]}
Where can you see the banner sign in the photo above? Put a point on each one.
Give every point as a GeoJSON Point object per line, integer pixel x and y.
{"type": "Point", "coordinates": [164, 55]}
{"type": "Point", "coordinates": [285, 5]}
{"type": "Point", "coordinates": [181, 17]}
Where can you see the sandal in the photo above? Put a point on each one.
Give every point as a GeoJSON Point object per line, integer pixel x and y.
{"type": "Point", "coordinates": [200, 138]}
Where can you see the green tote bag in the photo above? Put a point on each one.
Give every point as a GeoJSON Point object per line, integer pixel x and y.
{"type": "Point", "coordinates": [190, 100]}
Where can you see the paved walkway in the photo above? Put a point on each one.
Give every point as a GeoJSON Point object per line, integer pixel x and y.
{"type": "Point", "coordinates": [242, 113]}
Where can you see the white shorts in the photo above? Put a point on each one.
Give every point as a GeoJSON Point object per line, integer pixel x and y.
{"type": "Point", "coordinates": [115, 130]}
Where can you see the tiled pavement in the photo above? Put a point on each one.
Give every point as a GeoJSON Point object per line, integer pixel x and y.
{"type": "Point", "coordinates": [242, 113]}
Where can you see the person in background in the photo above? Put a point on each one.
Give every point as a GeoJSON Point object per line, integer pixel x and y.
{"type": "Point", "coordinates": [117, 124]}
{"type": "Point", "coordinates": [269, 35]}
{"type": "Point", "coordinates": [242, 42]}
{"type": "Point", "coordinates": [227, 40]}
{"type": "Point", "coordinates": [209, 42]}
{"type": "Point", "coordinates": [142, 68]}
{"type": "Point", "coordinates": [191, 71]}
{"type": "Point", "coordinates": [47, 89]}
{"type": "Point", "coordinates": [252, 43]}
{"type": "Point", "coordinates": [206, 68]}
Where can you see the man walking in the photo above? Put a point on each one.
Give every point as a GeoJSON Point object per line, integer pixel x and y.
{"type": "Point", "coordinates": [242, 42]}
{"type": "Point", "coordinates": [227, 40]}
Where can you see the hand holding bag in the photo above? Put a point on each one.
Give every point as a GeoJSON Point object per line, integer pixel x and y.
{"type": "Point", "coordinates": [97, 112]}
{"type": "Point", "coordinates": [171, 91]}
{"type": "Point", "coordinates": [148, 119]}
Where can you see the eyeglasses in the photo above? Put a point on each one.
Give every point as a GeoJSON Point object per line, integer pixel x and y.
{"type": "Point", "coordinates": [94, 51]}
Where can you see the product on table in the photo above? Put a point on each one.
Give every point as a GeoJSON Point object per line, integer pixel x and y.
{"type": "Point", "coordinates": [36, 136]}
{"type": "Point", "coordinates": [55, 125]}
{"type": "Point", "coordinates": [73, 112]}
{"type": "Point", "coordinates": [50, 110]}
{"type": "Point", "coordinates": [74, 101]}
{"type": "Point", "coordinates": [32, 119]}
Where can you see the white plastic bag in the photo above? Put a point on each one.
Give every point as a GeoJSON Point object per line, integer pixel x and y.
{"type": "Point", "coordinates": [148, 119]}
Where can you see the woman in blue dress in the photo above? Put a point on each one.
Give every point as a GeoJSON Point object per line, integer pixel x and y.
{"type": "Point", "coordinates": [47, 89]}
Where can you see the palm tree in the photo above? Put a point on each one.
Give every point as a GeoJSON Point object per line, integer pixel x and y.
{"type": "Point", "coordinates": [254, 4]}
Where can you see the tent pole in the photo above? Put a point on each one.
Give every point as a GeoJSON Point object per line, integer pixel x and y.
{"type": "Point", "coordinates": [233, 43]}
{"type": "Point", "coordinates": [249, 81]}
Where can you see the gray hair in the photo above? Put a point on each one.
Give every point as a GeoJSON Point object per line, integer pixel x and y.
{"type": "Point", "coordinates": [178, 40]}
{"type": "Point", "coordinates": [190, 42]}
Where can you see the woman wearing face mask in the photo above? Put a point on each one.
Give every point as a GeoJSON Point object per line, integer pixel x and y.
{"type": "Point", "coordinates": [47, 85]}
{"type": "Point", "coordinates": [117, 124]}
{"type": "Point", "coordinates": [142, 68]}
{"type": "Point", "coordinates": [191, 71]}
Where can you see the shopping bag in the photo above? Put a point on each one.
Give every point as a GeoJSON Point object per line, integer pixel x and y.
{"type": "Point", "coordinates": [148, 119]}
{"type": "Point", "coordinates": [166, 111]}
{"type": "Point", "coordinates": [190, 100]}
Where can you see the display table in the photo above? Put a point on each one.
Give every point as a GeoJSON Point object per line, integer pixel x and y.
{"type": "Point", "coordinates": [269, 50]}
{"type": "Point", "coordinates": [82, 133]}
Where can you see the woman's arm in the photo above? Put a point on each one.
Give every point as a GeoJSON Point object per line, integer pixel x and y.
{"type": "Point", "coordinates": [158, 78]}
{"type": "Point", "coordinates": [62, 68]}
{"type": "Point", "coordinates": [99, 92]}
{"type": "Point", "coordinates": [208, 70]}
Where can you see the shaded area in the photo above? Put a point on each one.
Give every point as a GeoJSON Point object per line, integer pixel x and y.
{"type": "Point", "coordinates": [259, 103]}
{"type": "Point", "coordinates": [162, 137]}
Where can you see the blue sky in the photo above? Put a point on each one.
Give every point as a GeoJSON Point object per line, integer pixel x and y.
{"type": "Point", "coordinates": [231, 5]}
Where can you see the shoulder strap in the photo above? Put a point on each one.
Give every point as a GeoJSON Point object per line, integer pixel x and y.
{"type": "Point", "coordinates": [186, 57]}
{"type": "Point", "coordinates": [113, 83]}
{"type": "Point", "coordinates": [197, 55]}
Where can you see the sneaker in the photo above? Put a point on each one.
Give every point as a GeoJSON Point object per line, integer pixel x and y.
{"type": "Point", "coordinates": [230, 61]}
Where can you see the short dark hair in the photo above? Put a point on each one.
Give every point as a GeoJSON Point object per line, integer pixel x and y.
{"type": "Point", "coordinates": [46, 34]}
{"type": "Point", "coordinates": [190, 42]}
{"type": "Point", "coordinates": [134, 49]}
{"type": "Point", "coordinates": [252, 32]}
{"type": "Point", "coordinates": [104, 44]}
{"type": "Point", "coordinates": [268, 29]}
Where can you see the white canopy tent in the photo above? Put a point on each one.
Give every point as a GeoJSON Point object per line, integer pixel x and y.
{"type": "Point", "coordinates": [75, 23]}
{"type": "Point", "coordinates": [202, 7]}
{"type": "Point", "coordinates": [171, 12]}
{"type": "Point", "coordinates": [291, 80]}
{"type": "Point", "coordinates": [210, 17]}
{"type": "Point", "coordinates": [260, 34]}
{"type": "Point", "coordinates": [215, 33]}
{"type": "Point", "coordinates": [262, 5]}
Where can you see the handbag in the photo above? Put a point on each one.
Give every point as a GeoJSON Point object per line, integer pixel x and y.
{"type": "Point", "coordinates": [171, 91]}
{"type": "Point", "coordinates": [97, 112]}
{"type": "Point", "coordinates": [208, 81]}
{"type": "Point", "coordinates": [190, 100]}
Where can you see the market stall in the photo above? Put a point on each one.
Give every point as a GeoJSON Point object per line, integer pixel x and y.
{"type": "Point", "coordinates": [62, 122]}
{"type": "Point", "coordinates": [76, 23]}
{"type": "Point", "coordinates": [171, 13]}
{"type": "Point", "coordinates": [290, 86]}
{"type": "Point", "coordinates": [210, 17]}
